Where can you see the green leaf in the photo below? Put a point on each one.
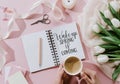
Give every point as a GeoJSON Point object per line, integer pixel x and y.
{"type": "Point", "coordinates": [106, 20]}
{"type": "Point", "coordinates": [113, 55]}
{"type": "Point", "coordinates": [109, 46]}
{"type": "Point", "coordinates": [111, 40]}
{"type": "Point", "coordinates": [113, 12]}
{"type": "Point", "coordinates": [116, 72]}
{"type": "Point", "coordinates": [116, 30]}
{"type": "Point", "coordinates": [114, 59]}
{"type": "Point", "coordinates": [115, 52]}
{"type": "Point", "coordinates": [113, 34]}
{"type": "Point", "coordinates": [104, 30]}
{"type": "Point", "coordinates": [100, 34]}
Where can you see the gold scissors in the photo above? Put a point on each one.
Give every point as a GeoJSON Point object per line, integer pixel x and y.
{"type": "Point", "coordinates": [45, 20]}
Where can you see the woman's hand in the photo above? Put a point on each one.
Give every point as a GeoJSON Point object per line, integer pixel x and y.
{"type": "Point", "coordinates": [59, 77]}
{"type": "Point", "coordinates": [89, 76]}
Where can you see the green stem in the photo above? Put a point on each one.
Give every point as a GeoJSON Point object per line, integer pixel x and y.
{"type": "Point", "coordinates": [114, 58]}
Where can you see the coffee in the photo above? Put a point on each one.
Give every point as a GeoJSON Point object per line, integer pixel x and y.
{"type": "Point", "coordinates": [72, 65]}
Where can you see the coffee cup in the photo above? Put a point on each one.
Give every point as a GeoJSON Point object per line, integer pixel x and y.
{"type": "Point", "coordinates": [72, 65]}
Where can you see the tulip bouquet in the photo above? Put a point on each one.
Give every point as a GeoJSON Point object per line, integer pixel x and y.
{"type": "Point", "coordinates": [109, 32]}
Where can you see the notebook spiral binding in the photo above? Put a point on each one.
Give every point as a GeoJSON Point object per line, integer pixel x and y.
{"type": "Point", "coordinates": [53, 47]}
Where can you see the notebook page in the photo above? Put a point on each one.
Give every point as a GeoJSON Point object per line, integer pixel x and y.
{"type": "Point", "coordinates": [68, 41]}
{"type": "Point", "coordinates": [31, 47]}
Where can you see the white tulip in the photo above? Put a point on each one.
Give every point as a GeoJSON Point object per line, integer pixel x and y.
{"type": "Point", "coordinates": [115, 5]}
{"type": "Point", "coordinates": [115, 22]}
{"type": "Point", "coordinates": [116, 62]}
{"type": "Point", "coordinates": [108, 14]}
{"type": "Point", "coordinates": [102, 59]}
{"type": "Point", "coordinates": [95, 28]}
{"type": "Point", "coordinates": [98, 49]}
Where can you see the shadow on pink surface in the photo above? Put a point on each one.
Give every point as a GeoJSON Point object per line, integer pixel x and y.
{"type": "Point", "coordinates": [10, 53]}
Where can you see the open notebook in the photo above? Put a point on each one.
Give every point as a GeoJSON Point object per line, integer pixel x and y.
{"type": "Point", "coordinates": [57, 44]}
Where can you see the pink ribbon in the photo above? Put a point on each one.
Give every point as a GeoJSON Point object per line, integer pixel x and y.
{"type": "Point", "coordinates": [33, 13]}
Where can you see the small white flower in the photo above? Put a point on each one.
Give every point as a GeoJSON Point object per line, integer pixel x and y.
{"type": "Point", "coordinates": [102, 59]}
{"type": "Point", "coordinates": [98, 49]}
{"type": "Point", "coordinates": [115, 22]}
{"type": "Point", "coordinates": [115, 5]}
{"type": "Point", "coordinates": [108, 14]}
{"type": "Point", "coordinates": [116, 62]}
{"type": "Point", "coordinates": [95, 28]}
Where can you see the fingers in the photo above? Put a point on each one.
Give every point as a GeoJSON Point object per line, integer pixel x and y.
{"type": "Point", "coordinates": [90, 72]}
{"type": "Point", "coordinates": [60, 71]}
{"type": "Point", "coordinates": [89, 76]}
{"type": "Point", "coordinates": [88, 80]}
{"type": "Point", "coordinates": [60, 67]}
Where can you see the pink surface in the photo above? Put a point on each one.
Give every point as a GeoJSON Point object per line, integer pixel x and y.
{"type": "Point", "coordinates": [15, 48]}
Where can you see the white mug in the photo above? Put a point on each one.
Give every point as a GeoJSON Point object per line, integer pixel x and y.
{"type": "Point", "coordinates": [73, 65]}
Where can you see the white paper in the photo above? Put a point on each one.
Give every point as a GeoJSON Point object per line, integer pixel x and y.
{"type": "Point", "coordinates": [17, 78]}
{"type": "Point", "coordinates": [68, 41]}
{"type": "Point", "coordinates": [7, 72]}
{"type": "Point", "coordinates": [31, 47]}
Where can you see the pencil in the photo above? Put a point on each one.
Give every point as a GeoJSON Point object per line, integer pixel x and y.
{"type": "Point", "coordinates": [40, 50]}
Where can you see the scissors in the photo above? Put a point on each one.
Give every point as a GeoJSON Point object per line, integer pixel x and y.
{"type": "Point", "coordinates": [45, 20]}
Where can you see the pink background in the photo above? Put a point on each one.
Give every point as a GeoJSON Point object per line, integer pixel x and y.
{"type": "Point", "coordinates": [15, 48]}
